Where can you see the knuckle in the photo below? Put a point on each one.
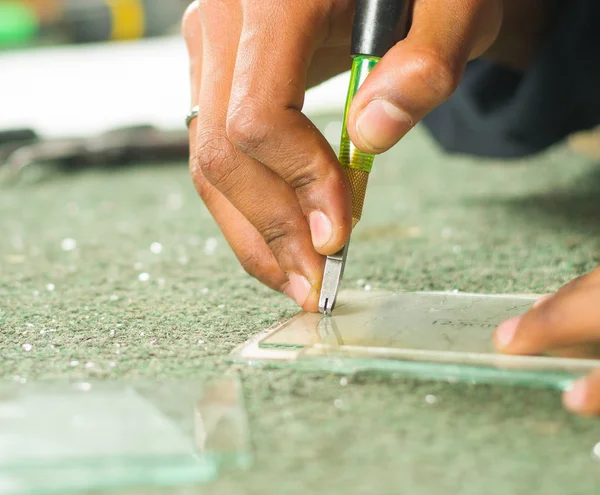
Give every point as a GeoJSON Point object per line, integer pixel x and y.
{"type": "Point", "coordinates": [214, 157]}
{"type": "Point", "coordinates": [320, 171]}
{"type": "Point", "coordinates": [277, 232]}
{"type": "Point", "coordinates": [302, 179]}
{"type": "Point", "coordinates": [437, 73]}
{"type": "Point", "coordinates": [247, 128]}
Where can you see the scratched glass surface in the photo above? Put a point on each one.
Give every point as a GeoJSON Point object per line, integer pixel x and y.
{"type": "Point", "coordinates": [56, 438]}
{"type": "Point", "coordinates": [428, 321]}
{"type": "Point", "coordinates": [427, 335]}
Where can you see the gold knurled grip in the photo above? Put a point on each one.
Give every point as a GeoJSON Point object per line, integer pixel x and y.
{"type": "Point", "coordinates": [358, 188]}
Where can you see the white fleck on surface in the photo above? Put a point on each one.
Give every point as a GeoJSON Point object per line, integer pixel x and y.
{"type": "Point", "coordinates": [338, 403]}
{"type": "Point", "coordinates": [83, 386]}
{"type": "Point", "coordinates": [50, 287]}
{"type": "Point", "coordinates": [112, 333]}
{"type": "Point", "coordinates": [210, 246]}
{"type": "Point", "coordinates": [360, 282]}
{"type": "Point", "coordinates": [68, 244]}
{"type": "Point", "coordinates": [27, 347]}
{"type": "Point", "coordinates": [430, 399]}
{"type": "Point", "coordinates": [221, 306]}
{"type": "Point", "coordinates": [74, 363]}
{"type": "Point", "coordinates": [596, 451]}
{"type": "Point", "coordinates": [343, 381]}
{"type": "Point", "coordinates": [112, 364]}
{"type": "Point", "coordinates": [144, 277]}
{"type": "Point", "coordinates": [204, 291]}
{"type": "Point", "coordinates": [368, 288]}
{"type": "Point", "coordinates": [156, 247]}
{"type": "Point", "coordinates": [142, 334]}
{"type": "Point", "coordinates": [201, 342]}
{"type": "Point", "coordinates": [114, 297]}
{"type": "Point", "coordinates": [89, 364]}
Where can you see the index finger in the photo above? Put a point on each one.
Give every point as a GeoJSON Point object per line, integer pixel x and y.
{"type": "Point", "coordinates": [568, 318]}
{"type": "Point", "coordinates": [265, 120]}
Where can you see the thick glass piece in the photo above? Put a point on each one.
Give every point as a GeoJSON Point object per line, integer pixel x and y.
{"type": "Point", "coordinates": [445, 336]}
{"type": "Point", "coordinates": [427, 321]}
{"type": "Point", "coordinates": [56, 438]}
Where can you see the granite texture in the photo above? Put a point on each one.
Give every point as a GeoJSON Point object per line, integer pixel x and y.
{"type": "Point", "coordinates": [431, 222]}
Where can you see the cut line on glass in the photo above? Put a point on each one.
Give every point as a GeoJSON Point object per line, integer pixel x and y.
{"type": "Point", "coordinates": [452, 328]}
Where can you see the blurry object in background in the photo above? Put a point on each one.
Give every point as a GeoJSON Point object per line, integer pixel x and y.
{"type": "Point", "coordinates": [91, 88]}
{"type": "Point", "coordinates": [48, 11]}
{"type": "Point", "coordinates": [586, 143]}
{"type": "Point", "coordinates": [86, 21]}
{"type": "Point", "coordinates": [112, 149]}
{"type": "Point", "coordinates": [19, 23]}
{"type": "Point", "coordinates": [13, 139]}
{"type": "Point", "coordinates": [101, 20]}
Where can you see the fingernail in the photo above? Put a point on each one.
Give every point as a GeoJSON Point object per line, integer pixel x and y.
{"type": "Point", "coordinates": [320, 228]}
{"type": "Point", "coordinates": [381, 124]}
{"type": "Point", "coordinates": [506, 331]}
{"type": "Point", "coordinates": [576, 394]}
{"type": "Point", "coordinates": [298, 288]}
{"type": "Point", "coordinates": [541, 301]}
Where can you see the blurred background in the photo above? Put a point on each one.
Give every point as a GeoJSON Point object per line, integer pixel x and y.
{"type": "Point", "coordinates": [106, 81]}
{"type": "Point", "coordinates": [26, 23]}
{"type": "Point", "coordinates": [103, 81]}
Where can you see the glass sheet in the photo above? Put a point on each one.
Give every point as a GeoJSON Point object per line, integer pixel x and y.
{"type": "Point", "coordinates": [56, 438]}
{"type": "Point", "coordinates": [445, 336]}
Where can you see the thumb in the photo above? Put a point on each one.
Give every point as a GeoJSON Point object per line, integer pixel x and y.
{"type": "Point", "coordinates": [422, 71]}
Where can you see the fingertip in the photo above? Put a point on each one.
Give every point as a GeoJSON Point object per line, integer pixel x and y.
{"type": "Point", "coordinates": [504, 336]}
{"type": "Point", "coordinates": [583, 396]}
{"type": "Point", "coordinates": [576, 396]}
{"type": "Point", "coordinates": [327, 238]}
{"type": "Point", "coordinates": [311, 305]}
{"type": "Point", "coordinates": [321, 229]}
{"type": "Point", "coordinates": [378, 126]}
{"type": "Point", "coordinates": [299, 289]}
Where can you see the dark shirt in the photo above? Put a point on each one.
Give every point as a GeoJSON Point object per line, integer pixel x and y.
{"type": "Point", "coordinates": [499, 112]}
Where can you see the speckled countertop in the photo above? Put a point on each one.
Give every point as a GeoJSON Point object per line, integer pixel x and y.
{"type": "Point", "coordinates": [121, 275]}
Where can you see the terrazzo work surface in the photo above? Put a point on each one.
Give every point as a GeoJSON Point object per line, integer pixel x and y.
{"type": "Point", "coordinates": [120, 275]}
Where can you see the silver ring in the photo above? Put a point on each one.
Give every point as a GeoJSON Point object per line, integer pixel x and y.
{"type": "Point", "coordinates": [191, 116]}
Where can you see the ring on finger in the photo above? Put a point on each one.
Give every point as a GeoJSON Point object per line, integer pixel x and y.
{"type": "Point", "coordinates": [191, 116]}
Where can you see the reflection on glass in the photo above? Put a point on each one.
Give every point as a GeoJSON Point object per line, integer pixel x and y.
{"type": "Point", "coordinates": [56, 438]}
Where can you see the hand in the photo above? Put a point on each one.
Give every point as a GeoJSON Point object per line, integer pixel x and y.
{"type": "Point", "coordinates": [568, 323]}
{"type": "Point", "coordinates": [266, 174]}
